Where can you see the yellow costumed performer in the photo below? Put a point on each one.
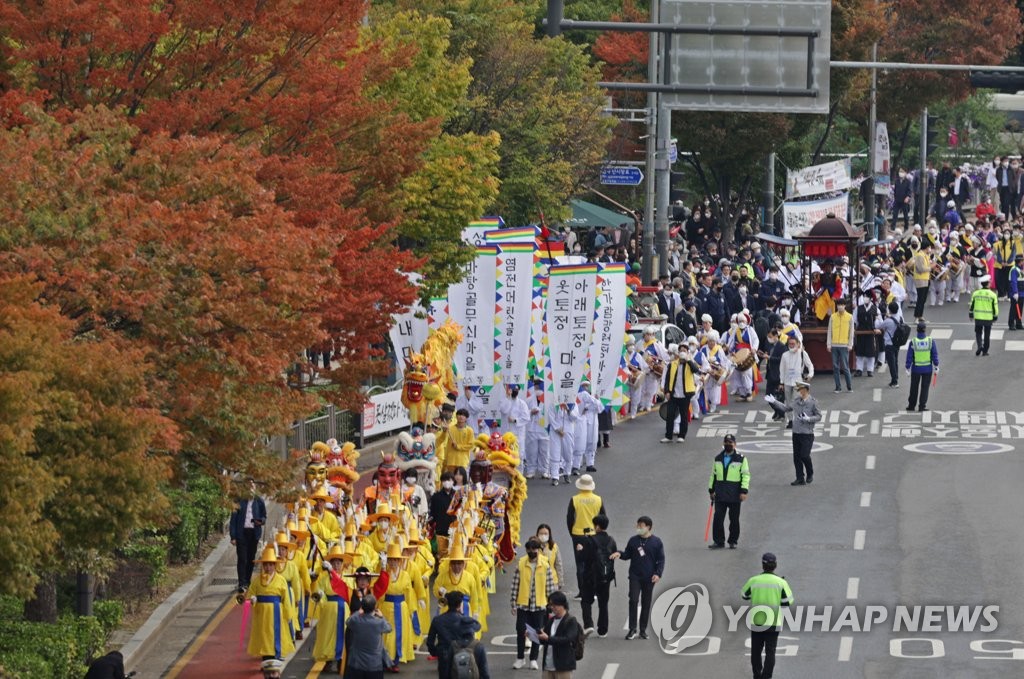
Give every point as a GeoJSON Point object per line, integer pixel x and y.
{"type": "Point", "coordinates": [331, 609]}
{"type": "Point", "coordinates": [268, 636]}
{"type": "Point", "coordinates": [397, 607]}
{"type": "Point", "coordinates": [286, 569]}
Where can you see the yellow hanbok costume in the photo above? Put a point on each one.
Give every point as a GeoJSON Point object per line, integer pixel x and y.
{"type": "Point", "coordinates": [397, 607]}
{"type": "Point", "coordinates": [331, 610]}
{"type": "Point", "coordinates": [460, 444]}
{"type": "Point", "coordinates": [268, 635]}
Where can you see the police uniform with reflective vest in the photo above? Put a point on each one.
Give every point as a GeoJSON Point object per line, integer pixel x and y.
{"type": "Point", "coordinates": [1016, 296]}
{"type": "Point", "coordinates": [922, 355]}
{"type": "Point", "coordinates": [984, 310]}
{"type": "Point", "coordinates": [767, 593]}
{"type": "Point", "coordinates": [728, 482]}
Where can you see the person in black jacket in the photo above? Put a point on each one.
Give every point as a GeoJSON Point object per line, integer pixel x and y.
{"type": "Point", "coordinates": [109, 666]}
{"type": "Point", "coordinates": [773, 352]}
{"type": "Point", "coordinates": [439, 516]}
{"type": "Point", "coordinates": [902, 193]}
{"type": "Point", "coordinates": [559, 637]}
{"type": "Point", "coordinates": [597, 550]}
{"type": "Point", "coordinates": [245, 528]}
{"type": "Point", "coordinates": [450, 630]}
{"type": "Point", "coordinates": [646, 556]}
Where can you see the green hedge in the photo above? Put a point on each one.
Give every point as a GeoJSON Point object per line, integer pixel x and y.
{"type": "Point", "coordinates": [200, 511]}
{"type": "Point", "coordinates": [63, 651]}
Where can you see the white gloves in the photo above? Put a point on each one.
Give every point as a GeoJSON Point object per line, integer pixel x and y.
{"type": "Point", "coordinates": [328, 567]}
{"type": "Point", "coordinates": [769, 399]}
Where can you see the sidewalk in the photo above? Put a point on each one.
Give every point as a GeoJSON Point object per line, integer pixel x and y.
{"type": "Point", "coordinates": [197, 631]}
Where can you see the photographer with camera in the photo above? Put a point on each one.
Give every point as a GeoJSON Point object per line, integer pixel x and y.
{"type": "Point", "coordinates": [366, 641]}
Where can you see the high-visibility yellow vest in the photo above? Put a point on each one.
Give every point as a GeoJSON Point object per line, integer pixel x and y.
{"type": "Point", "coordinates": [922, 348]}
{"type": "Point", "coordinates": [842, 325]}
{"type": "Point", "coordinates": [538, 582]}
{"type": "Point", "coordinates": [587, 505]}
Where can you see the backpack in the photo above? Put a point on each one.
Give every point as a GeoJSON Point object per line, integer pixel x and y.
{"type": "Point", "coordinates": [581, 641]}
{"type": "Point", "coordinates": [606, 571]}
{"type": "Point", "coordinates": [463, 665]}
{"type": "Point", "coordinates": [901, 335]}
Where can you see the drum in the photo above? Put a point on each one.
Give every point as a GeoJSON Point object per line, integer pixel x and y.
{"type": "Point", "coordinates": [744, 359]}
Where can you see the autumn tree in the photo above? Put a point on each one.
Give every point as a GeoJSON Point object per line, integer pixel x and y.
{"type": "Point", "coordinates": [83, 448]}
{"type": "Point", "coordinates": [288, 78]}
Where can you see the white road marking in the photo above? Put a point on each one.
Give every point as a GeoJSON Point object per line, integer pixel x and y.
{"type": "Point", "coordinates": [876, 394]}
{"type": "Point", "coordinates": [852, 588]}
{"type": "Point", "coordinates": [845, 649]}
{"type": "Point", "coordinates": [865, 499]}
{"type": "Point", "coordinates": [858, 539]}
{"type": "Point", "coordinates": [941, 333]}
{"type": "Point", "coordinates": [609, 670]}
{"type": "Point", "coordinates": [875, 427]}
{"type": "Point", "coordinates": [962, 345]}
{"type": "Point", "coordinates": [869, 462]}
{"type": "Point", "coordinates": [997, 334]}
{"type": "Point", "coordinates": [1014, 345]}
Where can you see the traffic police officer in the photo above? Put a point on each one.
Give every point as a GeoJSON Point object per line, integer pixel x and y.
{"type": "Point", "coordinates": [728, 486]}
{"type": "Point", "coordinates": [985, 311]}
{"type": "Point", "coordinates": [1016, 292]}
{"type": "Point", "coordinates": [766, 593]}
{"type": "Point", "coordinates": [921, 358]}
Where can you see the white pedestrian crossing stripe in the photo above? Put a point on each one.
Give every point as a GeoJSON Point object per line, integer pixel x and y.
{"type": "Point", "coordinates": [1014, 345]}
{"type": "Point", "coordinates": [941, 333]}
{"type": "Point", "coordinates": [997, 334]}
{"type": "Point", "coordinates": [962, 345]}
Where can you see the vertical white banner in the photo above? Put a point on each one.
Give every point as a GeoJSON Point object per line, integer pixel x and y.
{"type": "Point", "coordinates": [609, 329]}
{"type": "Point", "coordinates": [880, 165]}
{"type": "Point", "coordinates": [512, 310]}
{"type": "Point", "coordinates": [408, 333]}
{"type": "Point", "coordinates": [478, 367]}
{"type": "Point", "coordinates": [457, 312]}
{"type": "Point", "coordinates": [438, 312]}
{"type": "Point", "coordinates": [572, 298]}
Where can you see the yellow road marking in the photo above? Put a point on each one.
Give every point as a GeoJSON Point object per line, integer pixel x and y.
{"type": "Point", "coordinates": [318, 667]}
{"type": "Point", "coordinates": [200, 639]}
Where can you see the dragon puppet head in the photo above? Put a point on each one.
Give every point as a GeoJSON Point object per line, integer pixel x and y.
{"type": "Point", "coordinates": [417, 377]}
{"type": "Point", "coordinates": [415, 450]}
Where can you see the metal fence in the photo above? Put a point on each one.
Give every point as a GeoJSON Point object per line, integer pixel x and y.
{"type": "Point", "coordinates": [332, 423]}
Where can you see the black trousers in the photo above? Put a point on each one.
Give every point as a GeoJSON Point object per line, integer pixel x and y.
{"type": "Point", "coordinates": [534, 619]}
{"type": "Point", "coordinates": [678, 407]}
{"type": "Point", "coordinates": [802, 444]}
{"type": "Point", "coordinates": [922, 382]}
{"type": "Point", "coordinates": [1002, 280]}
{"type": "Point", "coordinates": [581, 563]}
{"type": "Point", "coordinates": [892, 358]}
{"type": "Point", "coordinates": [1004, 200]}
{"type": "Point", "coordinates": [763, 641]}
{"type": "Point", "coordinates": [983, 334]}
{"type": "Point", "coordinates": [596, 590]}
{"type": "Point", "coordinates": [718, 527]}
{"type": "Point", "coordinates": [904, 209]}
{"type": "Point", "coordinates": [245, 552]}
{"type": "Point", "coordinates": [1015, 312]}
{"type": "Point", "coordinates": [640, 591]}
{"type": "Point", "coordinates": [922, 299]}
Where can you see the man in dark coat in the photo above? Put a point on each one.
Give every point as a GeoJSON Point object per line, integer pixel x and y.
{"type": "Point", "coordinates": [245, 529]}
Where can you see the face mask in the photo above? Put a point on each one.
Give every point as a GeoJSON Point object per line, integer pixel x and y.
{"type": "Point", "coordinates": [1013, 165]}
{"type": "Point", "coordinates": [1005, 164]}
{"type": "Point", "coordinates": [447, 485]}
{"type": "Point", "coordinates": [543, 537]}
{"type": "Point", "coordinates": [532, 555]}
{"type": "Point", "coordinates": [1006, 236]}
{"type": "Point", "coordinates": [743, 289]}
{"type": "Point", "coordinates": [384, 524]}
{"type": "Point", "coordinates": [794, 350]}
{"type": "Point", "coordinates": [728, 447]}
{"type": "Point", "coordinates": [787, 303]}
{"type": "Point", "coordinates": [643, 531]}
{"type": "Point", "coordinates": [707, 202]}
{"type": "Point", "coordinates": [410, 482]}
{"type": "Point", "coordinates": [942, 193]}
{"type": "Point", "coordinates": [742, 325]}
{"type": "Point", "coordinates": [696, 218]}
{"type": "Point", "coordinates": [903, 175]}
{"type": "Point", "coordinates": [773, 276]}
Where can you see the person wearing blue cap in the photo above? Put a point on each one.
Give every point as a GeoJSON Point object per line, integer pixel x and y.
{"type": "Point", "coordinates": [767, 593]}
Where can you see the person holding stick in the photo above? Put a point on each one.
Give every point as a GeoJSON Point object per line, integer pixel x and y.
{"type": "Point", "coordinates": [805, 415]}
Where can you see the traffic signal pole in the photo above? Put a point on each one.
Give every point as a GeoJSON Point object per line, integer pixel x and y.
{"type": "Point", "coordinates": [922, 188]}
{"type": "Point", "coordinates": [647, 273]}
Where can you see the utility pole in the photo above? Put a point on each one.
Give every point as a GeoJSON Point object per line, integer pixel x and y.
{"type": "Point", "coordinates": [648, 273]}
{"type": "Point", "coordinates": [869, 183]}
{"type": "Point", "coordinates": [769, 194]}
{"type": "Point", "coordinates": [922, 182]}
{"type": "Point", "coordinates": [662, 167]}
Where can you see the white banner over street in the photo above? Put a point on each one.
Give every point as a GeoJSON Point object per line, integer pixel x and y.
{"type": "Point", "coordinates": [571, 301]}
{"type": "Point", "coordinates": [818, 179]}
{"type": "Point", "coordinates": [408, 330]}
{"type": "Point", "coordinates": [798, 218]}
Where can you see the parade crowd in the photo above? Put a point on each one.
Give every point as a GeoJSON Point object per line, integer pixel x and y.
{"type": "Point", "coordinates": [410, 562]}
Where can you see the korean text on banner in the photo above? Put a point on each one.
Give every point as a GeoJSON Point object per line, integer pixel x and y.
{"type": "Point", "coordinates": [800, 217]}
{"type": "Point", "coordinates": [880, 166]}
{"type": "Point", "coordinates": [408, 330]}
{"type": "Point", "coordinates": [384, 413]}
{"type": "Point", "coordinates": [571, 302]}
{"type": "Point", "coordinates": [512, 310]}
{"type": "Point", "coordinates": [818, 179]}
{"type": "Point", "coordinates": [609, 330]}
{"type": "Point", "coordinates": [478, 368]}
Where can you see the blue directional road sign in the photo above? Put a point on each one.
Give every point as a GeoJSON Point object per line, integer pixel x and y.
{"type": "Point", "coordinates": [621, 175]}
